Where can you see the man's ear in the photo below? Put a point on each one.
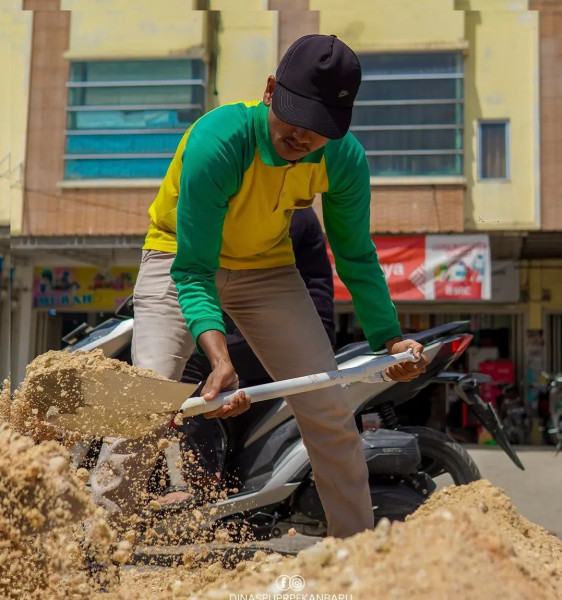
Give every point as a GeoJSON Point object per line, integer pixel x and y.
{"type": "Point", "coordinates": [267, 95]}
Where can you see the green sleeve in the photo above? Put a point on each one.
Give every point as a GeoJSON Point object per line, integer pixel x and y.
{"type": "Point", "coordinates": [213, 166]}
{"type": "Point", "coordinates": [346, 210]}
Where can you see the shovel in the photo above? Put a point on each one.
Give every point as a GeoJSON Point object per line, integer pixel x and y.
{"type": "Point", "coordinates": [370, 372]}
{"type": "Point", "coordinates": [121, 404]}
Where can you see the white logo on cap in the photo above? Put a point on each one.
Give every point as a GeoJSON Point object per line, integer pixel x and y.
{"type": "Point", "coordinates": [343, 93]}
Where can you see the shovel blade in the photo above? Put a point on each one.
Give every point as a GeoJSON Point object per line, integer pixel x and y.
{"type": "Point", "coordinates": [120, 404]}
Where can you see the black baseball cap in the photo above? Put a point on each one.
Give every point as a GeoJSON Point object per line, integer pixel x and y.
{"type": "Point", "coordinates": [316, 83]}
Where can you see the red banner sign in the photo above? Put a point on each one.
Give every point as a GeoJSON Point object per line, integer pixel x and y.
{"type": "Point", "coordinates": [429, 267]}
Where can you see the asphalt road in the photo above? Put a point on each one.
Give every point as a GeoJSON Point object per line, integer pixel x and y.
{"type": "Point", "coordinates": [536, 492]}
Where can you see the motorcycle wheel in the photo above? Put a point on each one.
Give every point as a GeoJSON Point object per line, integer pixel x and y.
{"type": "Point", "coordinates": [443, 456]}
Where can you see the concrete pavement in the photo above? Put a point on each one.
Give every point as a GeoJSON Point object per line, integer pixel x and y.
{"type": "Point", "coordinates": [535, 492]}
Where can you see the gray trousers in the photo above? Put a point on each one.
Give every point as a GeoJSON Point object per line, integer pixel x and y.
{"type": "Point", "coordinates": [274, 311]}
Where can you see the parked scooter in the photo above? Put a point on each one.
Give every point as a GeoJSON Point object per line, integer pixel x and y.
{"type": "Point", "coordinates": [513, 414]}
{"type": "Point", "coordinates": [262, 454]}
{"type": "Point", "coordinates": [550, 409]}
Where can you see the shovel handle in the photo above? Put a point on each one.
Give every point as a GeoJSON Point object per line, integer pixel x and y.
{"type": "Point", "coordinates": [287, 387]}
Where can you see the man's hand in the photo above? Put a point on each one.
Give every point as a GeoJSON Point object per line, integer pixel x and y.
{"type": "Point", "coordinates": [406, 371]}
{"type": "Point", "coordinates": [222, 378]}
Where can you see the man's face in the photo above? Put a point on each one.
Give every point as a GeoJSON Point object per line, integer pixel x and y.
{"type": "Point", "coordinates": [291, 143]}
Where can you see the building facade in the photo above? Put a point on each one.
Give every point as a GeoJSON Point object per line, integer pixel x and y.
{"type": "Point", "coordinates": [15, 48]}
{"type": "Point", "coordinates": [461, 126]}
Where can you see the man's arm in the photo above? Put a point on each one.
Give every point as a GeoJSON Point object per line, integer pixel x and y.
{"type": "Point", "coordinates": [211, 173]}
{"type": "Point", "coordinates": [212, 170]}
{"type": "Point", "coordinates": [202, 205]}
{"type": "Point", "coordinates": [346, 211]}
{"type": "Point", "coordinates": [223, 376]}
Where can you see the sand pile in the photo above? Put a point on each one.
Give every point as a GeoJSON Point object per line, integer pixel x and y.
{"type": "Point", "coordinates": [41, 553]}
{"type": "Point", "coordinates": [5, 401]}
{"type": "Point", "coordinates": [466, 543]}
{"type": "Point", "coordinates": [51, 535]}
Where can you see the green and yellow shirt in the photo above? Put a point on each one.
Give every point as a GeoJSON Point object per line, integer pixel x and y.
{"type": "Point", "coordinates": [227, 200]}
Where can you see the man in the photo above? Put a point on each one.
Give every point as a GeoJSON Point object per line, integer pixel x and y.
{"type": "Point", "coordinates": [219, 226]}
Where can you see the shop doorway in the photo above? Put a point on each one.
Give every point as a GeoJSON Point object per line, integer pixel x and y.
{"type": "Point", "coordinates": [52, 326]}
{"type": "Point", "coordinates": [554, 342]}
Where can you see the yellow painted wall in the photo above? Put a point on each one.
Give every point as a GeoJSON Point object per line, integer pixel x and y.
{"type": "Point", "coordinates": [244, 5]}
{"type": "Point", "coordinates": [99, 30]}
{"type": "Point", "coordinates": [5, 114]}
{"type": "Point", "coordinates": [541, 278]}
{"type": "Point", "coordinates": [499, 79]}
{"type": "Point", "coordinates": [247, 54]}
{"type": "Point", "coordinates": [372, 25]}
{"type": "Point", "coordinates": [502, 83]}
{"type": "Point", "coordinates": [127, 29]}
{"type": "Point", "coordinates": [15, 45]}
{"type": "Point", "coordinates": [501, 65]}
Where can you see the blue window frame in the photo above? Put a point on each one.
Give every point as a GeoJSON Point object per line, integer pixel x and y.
{"type": "Point", "coordinates": [408, 114]}
{"type": "Point", "coordinates": [126, 118]}
{"type": "Point", "coordinates": [493, 155]}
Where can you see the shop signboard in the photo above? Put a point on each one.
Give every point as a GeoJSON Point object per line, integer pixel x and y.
{"type": "Point", "coordinates": [458, 267]}
{"type": "Point", "coordinates": [82, 288]}
{"type": "Point", "coordinates": [432, 267]}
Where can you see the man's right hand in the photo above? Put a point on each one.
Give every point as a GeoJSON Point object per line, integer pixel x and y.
{"type": "Point", "coordinates": [223, 377]}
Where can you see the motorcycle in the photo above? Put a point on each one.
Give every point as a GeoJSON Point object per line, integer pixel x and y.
{"type": "Point", "coordinates": [263, 461]}
{"type": "Point", "coordinates": [550, 409]}
{"type": "Point", "coordinates": [513, 413]}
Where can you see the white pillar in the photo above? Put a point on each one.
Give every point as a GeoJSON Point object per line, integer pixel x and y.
{"type": "Point", "coordinates": [22, 320]}
{"type": "Point", "coordinates": [5, 325]}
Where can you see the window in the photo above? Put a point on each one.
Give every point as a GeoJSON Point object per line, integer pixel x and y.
{"type": "Point", "coordinates": [126, 118]}
{"type": "Point", "coordinates": [492, 158]}
{"type": "Point", "coordinates": [409, 113]}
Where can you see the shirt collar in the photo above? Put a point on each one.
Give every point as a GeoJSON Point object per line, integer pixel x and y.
{"type": "Point", "coordinates": [265, 146]}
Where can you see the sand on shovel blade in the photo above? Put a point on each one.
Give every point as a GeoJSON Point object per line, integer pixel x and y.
{"type": "Point", "coordinates": [87, 393]}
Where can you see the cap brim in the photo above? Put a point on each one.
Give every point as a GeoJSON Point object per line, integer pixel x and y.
{"type": "Point", "coordinates": [327, 121]}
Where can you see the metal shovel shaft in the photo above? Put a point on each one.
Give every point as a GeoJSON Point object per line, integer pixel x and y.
{"type": "Point", "coordinates": [287, 387]}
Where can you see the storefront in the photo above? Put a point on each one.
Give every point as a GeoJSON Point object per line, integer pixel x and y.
{"type": "Point", "coordinates": [57, 288]}
{"type": "Point", "coordinates": [66, 296]}
{"type": "Point", "coordinates": [439, 279]}
{"type": "Point", "coordinates": [432, 279]}
{"type": "Point", "coordinates": [5, 286]}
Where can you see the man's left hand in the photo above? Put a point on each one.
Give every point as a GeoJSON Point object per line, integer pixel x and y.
{"type": "Point", "coordinates": [406, 371]}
